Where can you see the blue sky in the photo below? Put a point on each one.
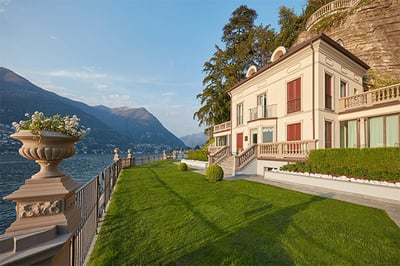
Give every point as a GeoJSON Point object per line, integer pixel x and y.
{"type": "Point", "coordinates": [137, 53]}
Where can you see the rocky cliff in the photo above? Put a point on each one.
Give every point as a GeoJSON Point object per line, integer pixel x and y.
{"type": "Point", "coordinates": [371, 31]}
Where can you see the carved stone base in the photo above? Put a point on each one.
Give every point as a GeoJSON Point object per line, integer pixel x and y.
{"type": "Point", "coordinates": [45, 202]}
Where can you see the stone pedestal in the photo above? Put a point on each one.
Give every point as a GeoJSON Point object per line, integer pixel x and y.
{"type": "Point", "coordinates": [46, 214]}
{"type": "Point", "coordinates": [45, 202]}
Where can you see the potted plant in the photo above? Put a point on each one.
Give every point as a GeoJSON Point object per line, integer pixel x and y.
{"type": "Point", "coordinates": [48, 140]}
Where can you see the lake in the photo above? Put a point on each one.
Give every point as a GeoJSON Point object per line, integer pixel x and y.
{"type": "Point", "coordinates": [14, 170]}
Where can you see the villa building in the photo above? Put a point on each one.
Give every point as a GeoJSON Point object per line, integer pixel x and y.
{"type": "Point", "coordinates": [310, 97]}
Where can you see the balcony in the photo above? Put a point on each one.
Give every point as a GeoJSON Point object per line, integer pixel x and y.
{"type": "Point", "coordinates": [222, 127]}
{"type": "Point", "coordinates": [370, 98]}
{"type": "Point", "coordinates": [259, 112]}
{"type": "Point", "coordinates": [295, 150]}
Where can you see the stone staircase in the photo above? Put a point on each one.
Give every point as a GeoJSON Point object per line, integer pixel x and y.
{"type": "Point", "coordinates": [227, 165]}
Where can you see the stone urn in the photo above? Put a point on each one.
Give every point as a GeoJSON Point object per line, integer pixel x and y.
{"type": "Point", "coordinates": [47, 149]}
{"type": "Point", "coordinates": [48, 198]}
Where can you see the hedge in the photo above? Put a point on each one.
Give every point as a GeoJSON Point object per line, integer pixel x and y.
{"type": "Point", "coordinates": [199, 155]}
{"type": "Point", "coordinates": [369, 163]}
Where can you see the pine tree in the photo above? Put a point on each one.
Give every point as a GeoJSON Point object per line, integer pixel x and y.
{"type": "Point", "coordinates": [245, 45]}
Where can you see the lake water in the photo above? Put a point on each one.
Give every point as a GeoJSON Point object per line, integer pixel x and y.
{"type": "Point", "coordinates": [14, 170]}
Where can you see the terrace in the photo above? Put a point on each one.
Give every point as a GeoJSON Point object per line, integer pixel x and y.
{"type": "Point", "coordinates": [386, 95]}
{"type": "Point", "coordinates": [160, 216]}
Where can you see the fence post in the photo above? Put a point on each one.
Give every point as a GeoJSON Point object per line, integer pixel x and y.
{"type": "Point", "coordinates": [116, 154]}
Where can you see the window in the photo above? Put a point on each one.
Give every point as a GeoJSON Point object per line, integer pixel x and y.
{"type": "Point", "coordinates": [343, 89]}
{"type": "Point", "coordinates": [240, 114]}
{"type": "Point", "coordinates": [262, 105]}
{"type": "Point", "coordinates": [294, 132]}
{"type": "Point", "coordinates": [294, 96]}
{"type": "Point", "coordinates": [328, 134]}
{"type": "Point", "coordinates": [392, 131]}
{"type": "Point", "coordinates": [383, 131]}
{"type": "Point", "coordinates": [267, 135]}
{"type": "Point", "coordinates": [328, 91]}
{"type": "Point", "coordinates": [375, 126]}
{"type": "Point", "coordinates": [254, 136]}
{"type": "Point", "coordinates": [221, 141]}
{"type": "Point", "coordinates": [348, 134]}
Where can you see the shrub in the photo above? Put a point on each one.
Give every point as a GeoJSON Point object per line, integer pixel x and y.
{"type": "Point", "coordinates": [370, 163]}
{"type": "Point", "coordinates": [182, 167]}
{"type": "Point", "coordinates": [199, 155]}
{"type": "Point", "coordinates": [214, 173]}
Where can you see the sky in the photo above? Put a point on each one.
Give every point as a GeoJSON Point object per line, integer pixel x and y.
{"type": "Point", "coordinates": [135, 53]}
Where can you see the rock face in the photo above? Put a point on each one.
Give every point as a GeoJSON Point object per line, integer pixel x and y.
{"type": "Point", "coordinates": [372, 32]}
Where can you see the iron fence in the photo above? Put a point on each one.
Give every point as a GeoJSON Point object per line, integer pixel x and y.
{"type": "Point", "coordinates": [92, 200]}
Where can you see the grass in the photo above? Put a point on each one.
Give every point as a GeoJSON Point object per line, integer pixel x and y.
{"type": "Point", "coordinates": [160, 216]}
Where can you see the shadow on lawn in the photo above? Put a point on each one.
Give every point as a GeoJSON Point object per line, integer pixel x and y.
{"type": "Point", "coordinates": [256, 243]}
{"type": "Point", "coordinates": [189, 206]}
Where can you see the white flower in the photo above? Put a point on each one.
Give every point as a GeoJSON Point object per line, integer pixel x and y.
{"type": "Point", "coordinates": [38, 122]}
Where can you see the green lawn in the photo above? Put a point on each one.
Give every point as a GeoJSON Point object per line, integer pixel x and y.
{"type": "Point", "coordinates": [160, 216]}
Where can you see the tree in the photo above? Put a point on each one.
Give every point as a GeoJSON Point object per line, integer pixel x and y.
{"type": "Point", "coordinates": [245, 45]}
{"type": "Point", "coordinates": [290, 27]}
{"type": "Point", "coordinates": [263, 44]}
{"type": "Point", "coordinates": [214, 99]}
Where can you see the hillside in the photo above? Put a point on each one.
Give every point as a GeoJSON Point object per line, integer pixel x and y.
{"type": "Point", "coordinates": [193, 140]}
{"type": "Point", "coordinates": [120, 127]}
{"type": "Point", "coordinates": [371, 31]}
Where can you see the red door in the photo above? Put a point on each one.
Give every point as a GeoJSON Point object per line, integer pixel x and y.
{"type": "Point", "coordinates": [239, 142]}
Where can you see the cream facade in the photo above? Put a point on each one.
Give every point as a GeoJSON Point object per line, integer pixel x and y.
{"type": "Point", "coordinates": [309, 97]}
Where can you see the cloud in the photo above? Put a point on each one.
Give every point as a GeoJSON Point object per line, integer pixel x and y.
{"type": "Point", "coordinates": [76, 74]}
{"type": "Point", "coordinates": [3, 4]}
{"type": "Point", "coordinates": [48, 85]}
{"type": "Point", "coordinates": [53, 37]}
{"type": "Point", "coordinates": [169, 93]}
{"type": "Point", "coordinates": [111, 100]}
{"type": "Point", "coordinates": [101, 86]}
{"type": "Point", "coordinates": [88, 73]}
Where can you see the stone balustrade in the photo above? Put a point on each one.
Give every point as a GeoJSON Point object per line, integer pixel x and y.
{"type": "Point", "coordinates": [222, 127]}
{"type": "Point", "coordinates": [329, 9]}
{"type": "Point", "coordinates": [286, 150]}
{"type": "Point", "coordinates": [370, 98]}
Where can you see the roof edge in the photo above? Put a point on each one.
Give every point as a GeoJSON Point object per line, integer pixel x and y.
{"type": "Point", "coordinates": [299, 47]}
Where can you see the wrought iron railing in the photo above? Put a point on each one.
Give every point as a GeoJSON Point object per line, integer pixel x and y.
{"type": "Point", "coordinates": [261, 111]}
{"type": "Point", "coordinates": [92, 200]}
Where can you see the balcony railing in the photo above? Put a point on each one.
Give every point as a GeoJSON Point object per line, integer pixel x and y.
{"type": "Point", "coordinates": [260, 112]}
{"type": "Point", "coordinates": [222, 127]}
{"type": "Point", "coordinates": [370, 98]}
{"type": "Point", "coordinates": [290, 149]}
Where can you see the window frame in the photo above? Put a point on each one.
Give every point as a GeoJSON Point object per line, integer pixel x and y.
{"type": "Point", "coordinates": [240, 114]}
{"type": "Point", "coordinates": [293, 96]}
{"type": "Point", "coordinates": [328, 92]}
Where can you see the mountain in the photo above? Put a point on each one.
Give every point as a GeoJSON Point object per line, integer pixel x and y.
{"type": "Point", "coordinates": [124, 127]}
{"type": "Point", "coordinates": [193, 140]}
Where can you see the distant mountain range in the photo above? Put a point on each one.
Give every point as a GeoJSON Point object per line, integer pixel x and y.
{"type": "Point", "coordinates": [193, 140]}
{"type": "Point", "coordinates": [123, 127]}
